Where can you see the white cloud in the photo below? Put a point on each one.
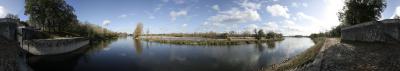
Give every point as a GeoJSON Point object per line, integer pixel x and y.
{"type": "Point", "coordinates": [250, 5]}
{"type": "Point", "coordinates": [304, 25]}
{"type": "Point", "coordinates": [275, 0]}
{"type": "Point", "coordinates": [184, 25]}
{"type": "Point", "coordinates": [158, 7]}
{"type": "Point", "coordinates": [164, 0]}
{"type": "Point", "coordinates": [278, 10]}
{"type": "Point", "coordinates": [235, 16]}
{"type": "Point", "coordinates": [271, 26]}
{"type": "Point", "coordinates": [123, 16]}
{"type": "Point", "coordinates": [3, 12]}
{"type": "Point", "coordinates": [294, 4]}
{"type": "Point", "coordinates": [179, 1]}
{"type": "Point", "coordinates": [152, 17]}
{"type": "Point", "coordinates": [330, 16]}
{"type": "Point", "coordinates": [215, 7]}
{"type": "Point", "coordinates": [175, 14]}
{"type": "Point", "coordinates": [251, 27]}
{"type": "Point", "coordinates": [305, 4]}
{"type": "Point", "coordinates": [396, 12]}
{"type": "Point", "coordinates": [230, 19]}
{"type": "Point", "coordinates": [106, 22]}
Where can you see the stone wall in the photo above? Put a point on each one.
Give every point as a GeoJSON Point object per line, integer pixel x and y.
{"type": "Point", "coordinates": [53, 46]}
{"type": "Point", "coordinates": [386, 31]}
{"type": "Point", "coordinates": [8, 28]}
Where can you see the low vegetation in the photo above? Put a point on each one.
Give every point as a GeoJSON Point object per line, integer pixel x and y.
{"type": "Point", "coordinates": [214, 41]}
{"type": "Point", "coordinates": [213, 38]}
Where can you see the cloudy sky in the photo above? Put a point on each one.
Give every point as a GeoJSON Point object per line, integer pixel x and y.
{"type": "Point", "coordinates": [290, 17]}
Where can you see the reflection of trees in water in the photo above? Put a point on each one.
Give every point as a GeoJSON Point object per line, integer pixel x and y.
{"type": "Point", "coordinates": [260, 47]}
{"type": "Point", "coordinates": [138, 46]}
{"type": "Point", "coordinates": [61, 62]}
{"type": "Point", "coordinates": [67, 61]}
{"type": "Point", "coordinates": [271, 45]}
{"type": "Point", "coordinates": [99, 45]}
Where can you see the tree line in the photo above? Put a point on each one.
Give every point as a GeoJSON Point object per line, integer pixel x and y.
{"type": "Point", "coordinates": [57, 18]}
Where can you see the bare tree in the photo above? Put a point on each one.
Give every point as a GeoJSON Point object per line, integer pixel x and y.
{"type": "Point", "coordinates": [138, 30]}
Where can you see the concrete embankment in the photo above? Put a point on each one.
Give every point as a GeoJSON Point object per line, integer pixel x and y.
{"type": "Point", "coordinates": [53, 46]}
{"type": "Point", "coordinates": [385, 31]}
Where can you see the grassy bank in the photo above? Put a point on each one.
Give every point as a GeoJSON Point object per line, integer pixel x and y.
{"type": "Point", "coordinates": [211, 41]}
{"type": "Point", "coordinates": [301, 59]}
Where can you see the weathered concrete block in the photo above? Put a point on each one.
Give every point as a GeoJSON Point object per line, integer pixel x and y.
{"type": "Point", "coordinates": [53, 46]}
{"type": "Point", "coordinates": [386, 31]}
{"type": "Point", "coordinates": [8, 28]}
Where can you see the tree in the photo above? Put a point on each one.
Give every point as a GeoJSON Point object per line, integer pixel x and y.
{"type": "Point", "coordinates": [396, 17]}
{"type": "Point", "coordinates": [246, 34]}
{"type": "Point", "coordinates": [359, 11]}
{"type": "Point", "coordinates": [271, 35]}
{"type": "Point", "coordinates": [12, 16]}
{"type": "Point", "coordinates": [50, 15]}
{"type": "Point", "coordinates": [138, 30]}
{"type": "Point", "coordinates": [231, 33]}
{"type": "Point", "coordinates": [259, 34]}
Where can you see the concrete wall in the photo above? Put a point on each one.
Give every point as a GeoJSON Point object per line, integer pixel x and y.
{"type": "Point", "coordinates": [386, 31]}
{"type": "Point", "coordinates": [8, 28]}
{"type": "Point", "coordinates": [53, 46]}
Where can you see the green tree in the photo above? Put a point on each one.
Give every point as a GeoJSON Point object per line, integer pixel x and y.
{"type": "Point", "coordinates": [138, 30]}
{"type": "Point", "coordinates": [359, 11]}
{"type": "Point", "coordinates": [50, 15]}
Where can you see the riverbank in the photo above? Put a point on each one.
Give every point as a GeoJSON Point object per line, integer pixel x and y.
{"type": "Point", "coordinates": [206, 41]}
{"type": "Point", "coordinates": [331, 55]}
{"type": "Point", "coordinates": [306, 57]}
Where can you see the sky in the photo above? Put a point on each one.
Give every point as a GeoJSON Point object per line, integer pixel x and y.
{"type": "Point", "coordinates": [289, 17]}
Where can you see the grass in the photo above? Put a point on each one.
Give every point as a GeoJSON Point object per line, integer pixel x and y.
{"type": "Point", "coordinates": [213, 41]}
{"type": "Point", "coordinates": [303, 58]}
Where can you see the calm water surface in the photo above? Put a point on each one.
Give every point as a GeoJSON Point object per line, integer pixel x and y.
{"type": "Point", "coordinates": [126, 54]}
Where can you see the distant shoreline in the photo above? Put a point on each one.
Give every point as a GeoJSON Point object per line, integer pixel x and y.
{"type": "Point", "coordinates": [207, 41]}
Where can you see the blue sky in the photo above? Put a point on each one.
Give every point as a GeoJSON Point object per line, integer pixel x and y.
{"type": "Point", "coordinates": [290, 17]}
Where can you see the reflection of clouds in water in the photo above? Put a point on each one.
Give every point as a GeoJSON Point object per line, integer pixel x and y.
{"type": "Point", "coordinates": [123, 54]}
{"type": "Point", "coordinates": [236, 57]}
{"type": "Point", "coordinates": [106, 49]}
{"type": "Point", "coordinates": [285, 49]}
{"type": "Point", "coordinates": [292, 46]}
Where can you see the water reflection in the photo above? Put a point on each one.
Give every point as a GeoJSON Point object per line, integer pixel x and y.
{"type": "Point", "coordinates": [138, 46]}
{"type": "Point", "coordinates": [271, 44]}
{"type": "Point", "coordinates": [67, 61]}
{"type": "Point", "coordinates": [127, 54]}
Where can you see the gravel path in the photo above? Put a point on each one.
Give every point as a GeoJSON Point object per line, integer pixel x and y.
{"type": "Point", "coordinates": [357, 57]}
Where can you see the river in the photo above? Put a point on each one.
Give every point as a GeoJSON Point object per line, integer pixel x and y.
{"type": "Point", "coordinates": [127, 54]}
